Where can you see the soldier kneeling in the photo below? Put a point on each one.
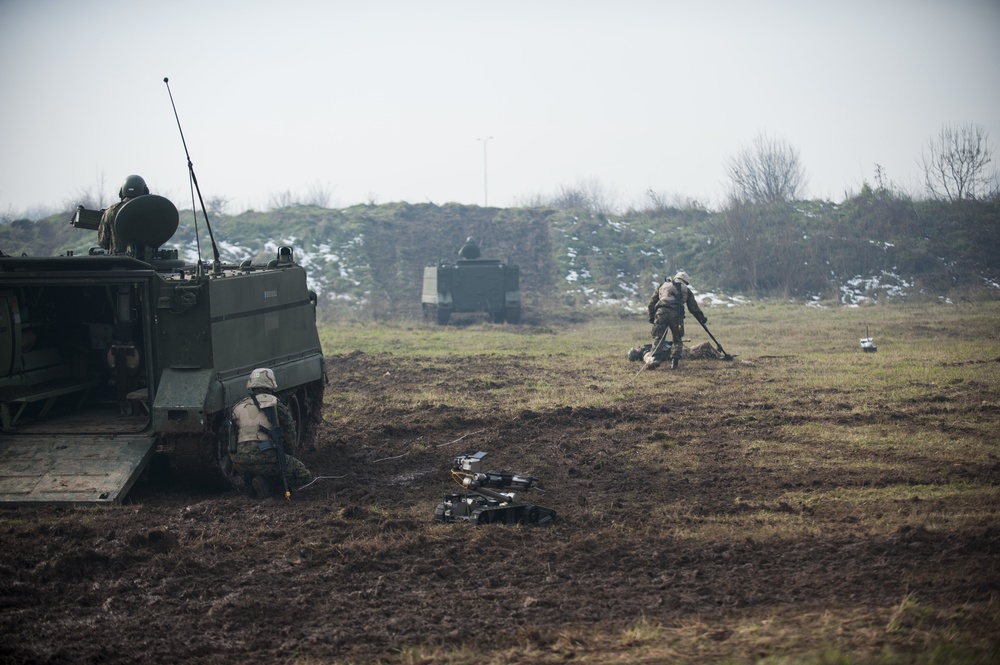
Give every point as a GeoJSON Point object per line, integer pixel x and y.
{"type": "Point", "coordinates": [265, 429]}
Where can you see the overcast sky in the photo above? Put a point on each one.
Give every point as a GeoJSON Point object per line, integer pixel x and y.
{"type": "Point", "coordinates": [389, 100]}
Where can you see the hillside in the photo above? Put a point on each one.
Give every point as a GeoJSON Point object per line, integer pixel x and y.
{"type": "Point", "coordinates": [367, 261]}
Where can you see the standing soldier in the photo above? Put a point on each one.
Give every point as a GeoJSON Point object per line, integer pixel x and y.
{"type": "Point", "coordinates": [666, 311]}
{"type": "Point", "coordinates": [107, 236]}
{"type": "Point", "coordinates": [265, 429]}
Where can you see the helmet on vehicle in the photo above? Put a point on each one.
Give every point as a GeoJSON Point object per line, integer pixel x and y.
{"type": "Point", "coordinates": [682, 276]}
{"type": "Point", "coordinates": [262, 378]}
{"type": "Point", "coordinates": [133, 186]}
{"type": "Point", "coordinates": [470, 250]}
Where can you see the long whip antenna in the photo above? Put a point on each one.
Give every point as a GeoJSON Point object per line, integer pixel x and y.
{"type": "Point", "coordinates": [194, 179]}
{"type": "Point", "coordinates": [194, 214]}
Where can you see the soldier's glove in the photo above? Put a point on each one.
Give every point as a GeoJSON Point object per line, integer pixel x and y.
{"type": "Point", "coordinates": [652, 319]}
{"type": "Point", "coordinates": [703, 319]}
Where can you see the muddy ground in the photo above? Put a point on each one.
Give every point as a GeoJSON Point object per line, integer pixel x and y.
{"type": "Point", "coordinates": [352, 569]}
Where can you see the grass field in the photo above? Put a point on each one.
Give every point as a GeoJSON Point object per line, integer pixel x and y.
{"type": "Point", "coordinates": [802, 503]}
{"type": "Point", "coordinates": [897, 447]}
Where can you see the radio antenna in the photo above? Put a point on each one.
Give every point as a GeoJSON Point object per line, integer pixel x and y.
{"type": "Point", "coordinates": [194, 179]}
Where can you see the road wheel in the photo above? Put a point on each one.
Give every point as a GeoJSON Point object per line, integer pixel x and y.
{"type": "Point", "coordinates": [225, 464]}
{"type": "Point", "coordinates": [306, 405]}
{"type": "Point", "coordinates": [295, 405]}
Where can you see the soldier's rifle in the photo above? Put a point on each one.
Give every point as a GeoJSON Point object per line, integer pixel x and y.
{"type": "Point", "coordinates": [274, 436]}
{"type": "Point", "coordinates": [230, 430]}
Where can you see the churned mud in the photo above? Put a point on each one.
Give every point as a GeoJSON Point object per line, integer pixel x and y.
{"type": "Point", "coordinates": [667, 517]}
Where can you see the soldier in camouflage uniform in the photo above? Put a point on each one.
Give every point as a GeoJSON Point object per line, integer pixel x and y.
{"type": "Point", "coordinates": [255, 455]}
{"type": "Point", "coordinates": [703, 350]}
{"type": "Point", "coordinates": [666, 311]}
{"type": "Point", "coordinates": [107, 236]}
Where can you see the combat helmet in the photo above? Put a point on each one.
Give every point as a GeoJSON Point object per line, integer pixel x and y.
{"type": "Point", "coordinates": [470, 250]}
{"type": "Point", "coordinates": [133, 186]}
{"type": "Point", "coordinates": [262, 378]}
{"type": "Point", "coordinates": [682, 276]}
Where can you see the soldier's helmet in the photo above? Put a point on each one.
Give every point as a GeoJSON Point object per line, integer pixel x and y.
{"type": "Point", "coordinates": [470, 250]}
{"type": "Point", "coordinates": [682, 276]}
{"type": "Point", "coordinates": [133, 186]}
{"type": "Point", "coordinates": [262, 378]}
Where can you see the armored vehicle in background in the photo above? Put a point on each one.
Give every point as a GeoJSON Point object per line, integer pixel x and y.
{"type": "Point", "coordinates": [107, 359]}
{"type": "Point", "coordinates": [472, 285]}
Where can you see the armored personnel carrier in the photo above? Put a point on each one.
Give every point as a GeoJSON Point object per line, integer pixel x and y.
{"type": "Point", "coordinates": [108, 359]}
{"type": "Point", "coordinates": [472, 285]}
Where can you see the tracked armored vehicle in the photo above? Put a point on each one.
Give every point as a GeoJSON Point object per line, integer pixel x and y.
{"type": "Point", "coordinates": [469, 286]}
{"type": "Point", "coordinates": [108, 359]}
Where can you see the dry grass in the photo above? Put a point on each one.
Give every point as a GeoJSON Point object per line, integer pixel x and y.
{"type": "Point", "coordinates": [805, 503]}
{"type": "Point", "coordinates": [871, 446]}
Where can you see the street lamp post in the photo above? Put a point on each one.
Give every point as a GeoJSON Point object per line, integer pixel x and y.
{"type": "Point", "coordinates": [486, 190]}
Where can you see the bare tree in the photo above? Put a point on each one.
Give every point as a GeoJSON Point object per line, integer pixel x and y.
{"type": "Point", "coordinates": [216, 205]}
{"type": "Point", "coordinates": [536, 200]}
{"type": "Point", "coordinates": [319, 194]}
{"type": "Point", "coordinates": [957, 164]}
{"type": "Point", "coordinates": [93, 198]}
{"type": "Point", "coordinates": [659, 202]}
{"type": "Point", "coordinates": [589, 195]}
{"type": "Point", "coordinates": [568, 198]}
{"type": "Point", "coordinates": [282, 200]}
{"type": "Point", "coordinates": [766, 171]}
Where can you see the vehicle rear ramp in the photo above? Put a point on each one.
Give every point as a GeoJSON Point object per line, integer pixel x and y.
{"type": "Point", "coordinates": [52, 469]}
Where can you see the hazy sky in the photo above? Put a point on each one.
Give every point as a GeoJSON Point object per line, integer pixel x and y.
{"type": "Point", "coordinates": [387, 100]}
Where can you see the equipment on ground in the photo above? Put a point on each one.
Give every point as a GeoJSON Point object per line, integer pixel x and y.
{"type": "Point", "coordinates": [868, 343]}
{"type": "Point", "coordinates": [109, 359]}
{"type": "Point", "coordinates": [722, 351]}
{"type": "Point", "coordinates": [472, 286]}
{"type": "Point", "coordinates": [485, 504]}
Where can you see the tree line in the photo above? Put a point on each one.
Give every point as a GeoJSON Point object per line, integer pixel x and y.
{"type": "Point", "coordinates": [765, 241]}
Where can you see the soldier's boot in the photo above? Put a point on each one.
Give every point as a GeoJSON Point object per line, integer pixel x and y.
{"type": "Point", "coordinates": [674, 362]}
{"type": "Point", "coordinates": [261, 488]}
